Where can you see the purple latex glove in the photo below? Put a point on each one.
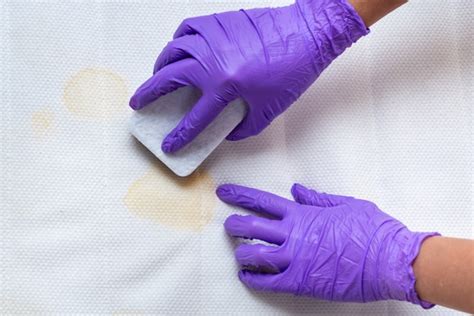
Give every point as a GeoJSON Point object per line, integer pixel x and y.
{"type": "Point", "coordinates": [330, 247]}
{"type": "Point", "coordinates": [268, 57]}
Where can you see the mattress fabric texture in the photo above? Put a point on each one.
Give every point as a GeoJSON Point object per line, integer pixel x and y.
{"type": "Point", "coordinates": [91, 222]}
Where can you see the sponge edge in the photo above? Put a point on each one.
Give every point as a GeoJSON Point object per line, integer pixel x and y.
{"type": "Point", "coordinates": [152, 124]}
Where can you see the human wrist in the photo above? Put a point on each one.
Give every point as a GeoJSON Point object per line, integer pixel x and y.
{"type": "Point", "coordinates": [398, 271]}
{"type": "Point", "coordinates": [413, 250]}
{"type": "Point", "coordinates": [443, 270]}
{"type": "Point", "coordinates": [373, 10]}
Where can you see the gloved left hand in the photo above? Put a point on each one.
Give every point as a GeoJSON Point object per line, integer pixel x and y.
{"type": "Point", "coordinates": [267, 57]}
{"type": "Point", "coordinates": [329, 247]}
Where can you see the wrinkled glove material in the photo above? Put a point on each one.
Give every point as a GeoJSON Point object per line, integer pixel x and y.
{"type": "Point", "coordinates": [328, 247]}
{"type": "Point", "coordinates": [268, 57]}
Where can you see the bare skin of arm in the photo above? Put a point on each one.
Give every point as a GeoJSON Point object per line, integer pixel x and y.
{"type": "Point", "coordinates": [444, 271]}
{"type": "Point", "coordinates": [373, 10]}
{"type": "Point", "coordinates": [444, 268]}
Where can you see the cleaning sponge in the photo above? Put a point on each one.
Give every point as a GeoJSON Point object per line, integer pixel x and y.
{"type": "Point", "coordinates": [151, 124]}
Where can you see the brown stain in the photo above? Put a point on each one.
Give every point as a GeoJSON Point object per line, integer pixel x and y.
{"type": "Point", "coordinates": [42, 122]}
{"type": "Point", "coordinates": [95, 93]}
{"type": "Point", "coordinates": [181, 203]}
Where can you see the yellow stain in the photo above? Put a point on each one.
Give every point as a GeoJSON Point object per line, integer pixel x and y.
{"type": "Point", "coordinates": [95, 93]}
{"type": "Point", "coordinates": [181, 203]}
{"type": "Point", "coordinates": [42, 122]}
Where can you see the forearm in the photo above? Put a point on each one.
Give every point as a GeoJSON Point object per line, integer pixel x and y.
{"type": "Point", "coordinates": [444, 271]}
{"type": "Point", "coordinates": [373, 10]}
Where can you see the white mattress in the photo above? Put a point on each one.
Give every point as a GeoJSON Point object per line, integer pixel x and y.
{"type": "Point", "coordinates": [90, 222]}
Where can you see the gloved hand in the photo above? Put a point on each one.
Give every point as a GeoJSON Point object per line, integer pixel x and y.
{"type": "Point", "coordinates": [268, 57]}
{"type": "Point", "coordinates": [329, 247]}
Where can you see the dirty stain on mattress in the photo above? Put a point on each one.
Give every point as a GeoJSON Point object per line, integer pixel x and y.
{"type": "Point", "coordinates": [42, 122]}
{"type": "Point", "coordinates": [180, 203]}
{"type": "Point", "coordinates": [96, 93]}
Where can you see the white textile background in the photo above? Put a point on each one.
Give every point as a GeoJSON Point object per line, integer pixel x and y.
{"type": "Point", "coordinates": [90, 223]}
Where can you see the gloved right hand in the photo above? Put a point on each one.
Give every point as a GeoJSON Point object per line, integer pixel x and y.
{"type": "Point", "coordinates": [329, 247]}
{"type": "Point", "coordinates": [268, 57]}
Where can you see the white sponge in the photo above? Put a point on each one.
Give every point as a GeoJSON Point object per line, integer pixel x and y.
{"type": "Point", "coordinates": [152, 124]}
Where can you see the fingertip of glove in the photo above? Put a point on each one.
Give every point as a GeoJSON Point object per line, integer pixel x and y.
{"type": "Point", "coordinates": [243, 276]}
{"type": "Point", "coordinates": [242, 252]}
{"type": "Point", "coordinates": [296, 187]}
{"type": "Point", "coordinates": [229, 223]}
{"type": "Point", "coordinates": [171, 143]}
{"type": "Point", "coordinates": [166, 146]}
{"type": "Point", "coordinates": [297, 190]}
{"type": "Point", "coordinates": [224, 191]}
{"type": "Point", "coordinates": [246, 277]}
{"type": "Point", "coordinates": [238, 133]}
{"type": "Point", "coordinates": [233, 137]}
{"type": "Point", "coordinates": [134, 103]}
